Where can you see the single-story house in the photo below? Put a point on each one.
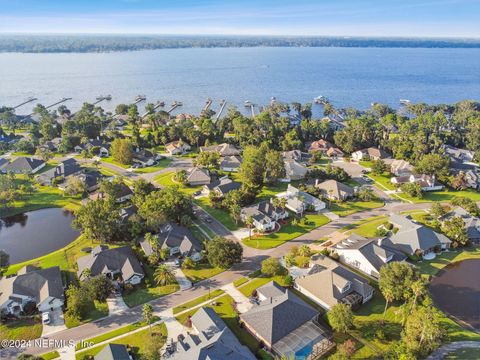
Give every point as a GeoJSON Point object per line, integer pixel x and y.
{"type": "Point", "coordinates": [24, 165]}
{"type": "Point", "coordinates": [413, 238]}
{"type": "Point", "coordinates": [283, 322]}
{"type": "Point", "coordinates": [178, 239]}
{"type": "Point", "coordinates": [44, 287]}
{"type": "Point", "coordinates": [127, 212]}
{"type": "Point", "coordinates": [401, 168]}
{"type": "Point", "coordinates": [116, 262]}
{"type": "Point", "coordinates": [371, 153]}
{"type": "Point", "coordinates": [68, 167]}
{"type": "Point", "coordinates": [103, 147]}
{"type": "Point", "coordinates": [328, 283]}
{"type": "Point", "coordinates": [113, 352]}
{"type": "Point", "coordinates": [459, 155]}
{"type": "Point", "coordinates": [472, 223]}
{"type": "Point", "coordinates": [264, 215]}
{"type": "Point", "coordinates": [52, 145]}
{"type": "Point", "coordinates": [178, 147]}
{"type": "Point", "coordinates": [210, 339]}
{"type": "Point", "coordinates": [296, 155]}
{"type": "Point", "coordinates": [221, 187]}
{"type": "Point", "coordinates": [223, 149]}
{"type": "Point", "coordinates": [294, 170]}
{"type": "Point", "coordinates": [426, 182]}
{"type": "Point", "coordinates": [198, 176]}
{"type": "Point", "coordinates": [321, 145]}
{"type": "Point", "coordinates": [366, 255]}
{"type": "Point", "coordinates": [335, 190]}
{"type": "Point", "coordinates": [91, 180]}
{"type": "Point", "coordinates": [230, 163]}
{"type": "Point", "coordinates": [335, 153]}
{"type": "Point", "coordinates": [145, 158]}
{"type": "Point", "coordinates": [299, 201]}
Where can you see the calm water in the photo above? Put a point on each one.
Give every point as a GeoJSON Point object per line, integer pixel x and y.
{"type": "Point", "coordinates": [456, 290]}
{"type": "Point", "coordinates": [36, 233]}
{"type": "Point", "coordinates": [349, 77]}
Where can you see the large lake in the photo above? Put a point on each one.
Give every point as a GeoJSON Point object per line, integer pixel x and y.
{"type": "Point", "coordinates": [347, 76]}
{"type": "Point", "coordinates": [36, 233]}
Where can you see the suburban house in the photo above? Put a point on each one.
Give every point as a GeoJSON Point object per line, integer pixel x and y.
{"type": "Point", "coordinates": [66, 168]}
{"type": "Point", "coordinates": [461, 162]}
{"type": "Point", "coordinates": [459, 155]}
{"type": "Point", "coordinates": [284, 323]}
{"type": "Point", "coordinates": [221, 187]}
{"type": "Point", "coordinates": [145, 158]}
{"type": "Point", "coordinates": [296, 155]}
{"type": "Point", "coordinates": [299, 201]}
{"type": "Point", "coordinates": [198, 176]}
{"type": "Point", "coordinates": [178, 239]}
{"type": "Point", "coordinates": [178, 147]}
{"type": "Point", "coordinates": [426, 182]}
{"type": "Point", "coordinates": [210, 339]}
{"type": "Point", "coordinates": [472, 223]}
{"type": "Point", "coordinates": [119, 262]}
{"type": "Point", "coordinates": [230, 163]}
{"type": "Point", "coordinates": [335, 190]}
{"type": "Point", "coordinates": [103, 148]}
{"type": "Point", "coordinates": [401, 168]}
{"type": "Point", "coordinates": [24, 165]}
{"type": "Point", "coordinates": [113, 352]}
{"type": "Point", "coordinates": [91, 179]}
{"type": "Point", "coordinates": [334, 153]}
{"type": "Point", "coordinates": [366, 255]}
{"type": "Point", "coordinates": [127, 212]}
{"type": "Point", "coordinates": [294, 170]}
{"type": "Point", "coordinates": [51, 145]}
{"type": "Point", "coordinates": [413, 238]}
{"type": "Point", "coordinates": [44, 287]}
{"type": "Point", "coordinates": [264, 214]}
{"type": "Point", "coordinates": [329, 283]}
{"type": "Point", "coordinates": [371, 153]}
{"type": "Point", "coordinates": [223, 149]}
{"type": "Point", "coordinates": [321, 145]}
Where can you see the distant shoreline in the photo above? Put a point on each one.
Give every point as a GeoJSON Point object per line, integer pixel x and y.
{"type": "Point", "coordinates": [120, 43]}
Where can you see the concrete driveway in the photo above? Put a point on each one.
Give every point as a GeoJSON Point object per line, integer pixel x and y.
{"type": "Point", "coordinates": [116, 304]}
{"type": "Point", "coordinates": [182, 280]}
{"type": "Point", "coordinates": [57, 323]}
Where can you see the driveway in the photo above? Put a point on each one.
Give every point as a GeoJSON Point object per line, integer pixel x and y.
{"type": "Point", "coordinates": [242, 302]}
{"type": "Point", "coordinates": [182, 280]}
{"type": "Point", "coordinates": [116, 304]}
{"type": "Point", "coordinates": [57, 323]}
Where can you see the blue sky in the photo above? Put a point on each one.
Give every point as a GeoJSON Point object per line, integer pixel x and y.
{"type": "Point", "coordinates": [436, 18]}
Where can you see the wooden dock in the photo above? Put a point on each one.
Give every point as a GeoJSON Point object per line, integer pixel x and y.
{"type": "Point", "coordinates": [208, 103]}
{"type": "Point", "coordinates": [175, 104]}
{"type": "Point", "coordinates": [157, 105]}
{"type": "Point", "coordinates": [29, 100]}
{"type": "Point", "coordinates": [223, 103]}
{"type": "Point", "coordinates": [62, 100]}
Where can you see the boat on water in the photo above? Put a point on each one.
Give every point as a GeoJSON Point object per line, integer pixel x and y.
{"type": "Point", "coordinates": [320, 99]}
{"type": "Point", "coordinates": [108, 97]}
{"type": "Point", "coordinates": [405, 101]}
{"type": "Point", "coordinates": [140, 98]}
{"type": "Point", "coordinates": [248, 103]}
{"type": "Point", "coordinates": [104, 97]}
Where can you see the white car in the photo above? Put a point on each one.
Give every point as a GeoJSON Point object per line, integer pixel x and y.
{"type": "Point", "coordinates": [46, 318]}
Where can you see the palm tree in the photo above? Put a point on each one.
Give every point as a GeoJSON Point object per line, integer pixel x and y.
{"type": "Point", "coordinates": [418, 289]}
{"type": "Point", "coordinates": [147, 313]}
{"type": "Point", "coordinates": [164, 275]}
{"type": "Point", "coordinates": [388, 295]}
{"type": "Point", "coordinates": [249, 223]}
{"type": "Point", "coordinates": [304, 250]}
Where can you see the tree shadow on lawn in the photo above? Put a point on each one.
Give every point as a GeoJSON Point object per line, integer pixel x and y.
{"type": "Point", "coordinates": [368, 330]}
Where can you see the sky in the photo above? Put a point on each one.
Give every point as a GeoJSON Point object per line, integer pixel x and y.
{"type": "Point", "coordinates": [407, 18]}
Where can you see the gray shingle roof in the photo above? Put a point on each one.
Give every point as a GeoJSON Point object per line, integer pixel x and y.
{"type": "Point", "coordinates": [113, 352]}
{"type": "Point", "coordinates": [23, 164]}
{"type": "Point", "coordinates": [335, 188]}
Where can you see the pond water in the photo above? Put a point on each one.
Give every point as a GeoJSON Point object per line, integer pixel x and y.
{"type": "Point", "coordinates": [36, 233]}
{"type": "Point", "coordinates": [456, 290]}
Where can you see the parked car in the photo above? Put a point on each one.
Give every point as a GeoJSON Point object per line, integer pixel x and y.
{"type": "Point", "coordinates": [366, 179]}
{"type": "Point", "coordinates": [46, 318]}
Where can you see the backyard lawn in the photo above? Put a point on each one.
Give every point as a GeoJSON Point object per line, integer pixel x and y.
{"type": "Point", "coordinates": [201, 272]}
{"type": "Point", "coordinates": [28, 329]}
{"type": "Point", "coordinates": [136, 342]}
{"type": "Point", "coordinates": [351, 207]}
{"type": "Point", "coordinates": [286, 233]}
{"type": "Point", "coordinates": [432, 267]}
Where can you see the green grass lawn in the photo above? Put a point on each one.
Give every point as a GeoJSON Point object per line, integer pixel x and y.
{"type": "Point", "coordinates": [50, 355]}
{"type": "Point", "coordinates": [135, 342]}
{"type": "Point", "coordinates": [161, 164]}
{"type": "Point", "coordinates": [96, 311]}
{"type": "Point", "coordinates": [113, 162]}
{"type": "Point", "coordinates": [462, 354]}
{"type": "Point", "coordinates": [269, 191]}
{"type": "Point", "coordinates": [197, 301]}
{"type": "Point", "coordinates": [201, 272]}
{"type": "Point", "coordinates": [432, 267]}
{"type": "Point", "coordinates": [221, 215]}
{"type": "Point", "coordinates": [368, 227]}
{"type": "Point", "coordinates": [254, 284]}
{"type": "Point", "coordinates": [27, 329]}
{"type": "Point", "coordinates": [239, 282]}
{"type": "Point", "coordinates": [226, 311]}
{"type": "Point", "coordinates": [286, 233]}
{"type": "Point", "coordinates": [167, 179]}
{"type": "Point", "coordinates": [143, 293]}
{"type": "Point", "coordinates": [351, 207]}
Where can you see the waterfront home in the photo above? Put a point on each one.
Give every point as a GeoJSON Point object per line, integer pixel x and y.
{"type": "Point", "coordinates": [113, 352]}
{"type": "Point", "coordinates": [122, 193]}
{"type": "Point", "coordinates": [329, 283]}
{"type": "Point", "coordinates": [371, 153]}
{"type": "Point", "coordinates": [116, 263]}
{"type": "Point", "coordinates": [178, 147]}
{"type": "Point", "coordinates": [459, 155]}
{"type": "Point", "coordinates": [426, 182]}
{"type": "Point", "coordinates": [230, 163]}
{"type": "Point", "coordinates": [472, 223]}
{"type": "Point", "coordinates": [91, 180]}
{"type": "Point", "coordinates": [335, 190]}
{"type": "Point", "coordinates": [198, 176]}
{"type": "Point", "coordinates": [414, 239]}
{"type": "Point", "coordinates": [299, 201]}
{"type": "Point", "coordinates": [264, 214]}
{"type": "Point", "coordinates": [44, 287]}
{"type": "Point", "coordinates": [366, 255]}
{"type": "Point", "coordinates": [24, 165]}
{"type": "Point", "coordinates": [294, 171]}
{"type": "Point", "coordinates": [210, 339]}
{"type": "Point", "coordinates": [284, 323]}
{"type": "Point", "coordinates": [67, 168]}
{"type": "Point", "coordinates": [221, 187]}
{"type": "Point", "coordinates": [223, 149]}
{"type": "Point", "coordinates": [401, 168]}
{"type": "Point", "coordinates": [178, 239]}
